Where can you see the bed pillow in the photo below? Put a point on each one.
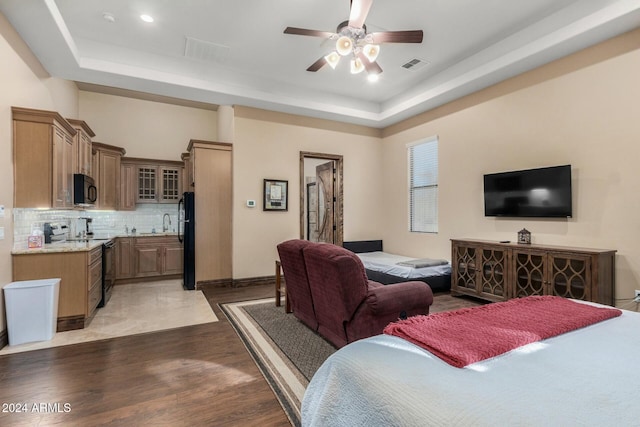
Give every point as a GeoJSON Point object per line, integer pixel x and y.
{"type": "Point", "coordinates": [423, 262]}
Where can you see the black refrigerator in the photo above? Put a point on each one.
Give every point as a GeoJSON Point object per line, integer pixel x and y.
{"type": "Point", "coordinates": [187, 236]}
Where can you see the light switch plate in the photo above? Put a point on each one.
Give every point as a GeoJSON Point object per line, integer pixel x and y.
{"type": "Point", "coordinates": [1, 233]}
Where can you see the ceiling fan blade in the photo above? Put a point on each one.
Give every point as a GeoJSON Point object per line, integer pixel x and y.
{"type": "Point", "coordinates": [371, 67]}
{"type": "Point", "coordinates": [305, 32]}
{"type": "Point", "coordinates": [317, 65]}
{"type": "Point", "coordinates": [412, 36]}
{"type": "Point", "coordinates": [359, 12]}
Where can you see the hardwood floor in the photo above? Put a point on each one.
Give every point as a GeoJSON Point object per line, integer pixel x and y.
{"type": "Point", "coordinates": [192, 376]}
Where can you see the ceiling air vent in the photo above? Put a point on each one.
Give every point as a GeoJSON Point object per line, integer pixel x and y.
{"type": "Point", "coordinates": [205, 51]}
{"type": "Point", "coordinates": [415, 64]}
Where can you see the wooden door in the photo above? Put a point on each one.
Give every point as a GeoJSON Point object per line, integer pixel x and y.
{"type": "Point", "coordinates": [464, 272]}
{"type": "Point", "coordinates": [84, 154]}
{"type": "Point", "coordinates": [326, 202]}
{"type": "Point", "coordinates": [59, 179]}
{"type": "Point", "coordinates": [493, 281]}
{"type": "Point", "coordinates": [109, 181]}
{"type": "Point", "coordinates": [570, 275]}
{"type": "Point", "coordinates": [147, 184]}
{"type": "Point", "coordinates": [124, 256]}
{"type": "Point", "coordinates": [529, 273]}
{"type": "Point", "coordinates": [128, 188]}
{"type": "Point", "coordinates": [68, 171]}
{"type": "Point", "coordinates": [170, 184]}
{"type": "Point", "coordinates": [148, 260]}
{"type": "Point", "coordinates": [173, 259]}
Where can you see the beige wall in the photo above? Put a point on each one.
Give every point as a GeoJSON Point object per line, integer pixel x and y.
{"type": "Point", "coordinates": [23, 83]}
{"type": "Point", "coordinates": [268, 145]}
{"type": "Point", "coordinates": [583, 110]}
{"type": "Point", "coordinates": [147, 129]}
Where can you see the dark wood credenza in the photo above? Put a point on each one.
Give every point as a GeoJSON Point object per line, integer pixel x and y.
{"type": "Point", "coordinates": [499, 271]}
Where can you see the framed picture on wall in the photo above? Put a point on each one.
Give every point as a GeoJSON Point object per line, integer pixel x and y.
{"type": "Point", "coordinates": [276, 195]}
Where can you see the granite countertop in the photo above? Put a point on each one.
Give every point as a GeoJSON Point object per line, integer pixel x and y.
{"type": "Point", "coordinates": [79, 246]}
{"type": "Point", "coordinates": [60, 247]}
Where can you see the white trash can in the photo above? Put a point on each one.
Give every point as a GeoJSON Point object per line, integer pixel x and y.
{"type": "Point", "coordinates": [32, 310]}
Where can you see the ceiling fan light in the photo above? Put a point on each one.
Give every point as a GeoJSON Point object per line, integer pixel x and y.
{"type": "Point", "coordinates": [344, 45]}
{"type": "Point", "coordinates": [373, 77]}
{"type": "Point", "coordinates": [371, 51]}
{"type": "Point", "coordinates": [332, 59]}
{"type": "Point", "coordinates": [356, 66]}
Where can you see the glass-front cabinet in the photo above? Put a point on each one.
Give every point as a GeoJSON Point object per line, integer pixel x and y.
{"type": "Point", "coordinates": [497, 271]}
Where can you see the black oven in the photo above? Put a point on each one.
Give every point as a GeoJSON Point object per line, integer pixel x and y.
{"type": "Point", "coordinates": [108, 270]}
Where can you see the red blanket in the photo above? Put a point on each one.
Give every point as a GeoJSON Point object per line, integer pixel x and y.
{"type": "Point", "coordinates": [469, 335]}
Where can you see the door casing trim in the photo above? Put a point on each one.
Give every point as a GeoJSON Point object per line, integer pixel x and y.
{"type": "Point", "coordinates": [339, 234]}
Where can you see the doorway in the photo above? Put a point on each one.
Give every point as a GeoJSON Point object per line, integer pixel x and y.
{"type": "Point", "coordinates": [321, 197]}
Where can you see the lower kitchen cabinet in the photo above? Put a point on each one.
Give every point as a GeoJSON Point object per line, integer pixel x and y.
{"type": "Point", "coordinates": [152, 256]}
{"type": "Point", "coordinates": [124, 258]}
{"type": "Point", "coordinates": [80, 285]}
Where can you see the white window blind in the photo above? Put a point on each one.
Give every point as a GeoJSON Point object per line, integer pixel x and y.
{"type": "Point", "coordinates": [423, 186]}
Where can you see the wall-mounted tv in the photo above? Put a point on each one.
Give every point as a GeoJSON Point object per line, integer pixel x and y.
{"type": "Point", "coordinates": [542, 193]}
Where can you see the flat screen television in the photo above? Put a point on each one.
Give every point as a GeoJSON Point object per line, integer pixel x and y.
{"type": "Point", "coordinates": [542, 193]}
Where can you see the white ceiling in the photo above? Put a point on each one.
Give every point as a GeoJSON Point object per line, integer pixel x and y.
{"type": "Point", "coordinates": [469, 45]}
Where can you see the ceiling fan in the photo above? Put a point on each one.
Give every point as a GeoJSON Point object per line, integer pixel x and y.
{"type": "Point", "coordinates": [352, 39]}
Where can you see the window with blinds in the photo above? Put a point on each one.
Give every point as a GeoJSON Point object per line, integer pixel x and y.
{"type": "Point", "coordinates": [423, 186]}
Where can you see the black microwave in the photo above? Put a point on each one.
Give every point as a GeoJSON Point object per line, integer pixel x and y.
{"type": "Point", "coordinates": [85, 192]}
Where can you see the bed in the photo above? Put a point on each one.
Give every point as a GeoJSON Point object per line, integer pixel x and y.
{"type": "Point", "coordinates": [387, 268]}
{"type": "Point", "coordinates": [585, 377]}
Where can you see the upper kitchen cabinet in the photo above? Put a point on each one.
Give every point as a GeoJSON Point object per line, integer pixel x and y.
{"type": "Point", "coordinates": [83, 157]}
{"type": "Point", "coordinates": [43, 159]}
{"type": "Point", "coordinates": [154, 181]}
{"type": "Point", "coordinates": [106, 173]}
{"type": "Point", "coordinates": [128, 188]}
{"type": "Point", "coordinates": [187, 175]}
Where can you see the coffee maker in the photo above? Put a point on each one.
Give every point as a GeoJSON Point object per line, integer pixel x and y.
{"type": "Point", "coordinates": [87, 230]}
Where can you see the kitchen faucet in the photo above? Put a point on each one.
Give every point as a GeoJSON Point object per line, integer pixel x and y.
{"type": "Point", "coordinates": [164, 226]}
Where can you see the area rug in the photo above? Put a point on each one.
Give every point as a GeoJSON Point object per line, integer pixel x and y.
{"type": "Point", "coordinates": [135, 309]}
{"type": "Point", "coordinates": [286, 351]}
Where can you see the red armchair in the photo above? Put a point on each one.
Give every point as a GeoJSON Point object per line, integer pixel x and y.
{"type": "Point", "coordinates": [346, 305]}
{"type": "Point", "coordinates": [295, 276]}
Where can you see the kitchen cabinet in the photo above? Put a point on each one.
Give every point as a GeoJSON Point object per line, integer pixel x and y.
{"type": "Point", "coordinates": [157, 256]}
{"type": "Point", "coordinates": [43, 159]}
{"type": "Point", "coordinates": [212, 166]}
{"type": "Point", "coordinates": [154, 181]}
{"type": "Point", "coordinates": [127, 185]}
{"type": "Point", "coordinates": [94, 279]}
{"type": "Point", "coordinates": [124, 258]}
{"type": "Point", "coordinates": [158, 183]}
{"type": "Point", "coordinates": [82, 148]}
{"type": "Point", "coordinates": [187, 175]}
{"type": "Point", "coordinates": [80, 286]}
{"type": "Point", "coordinates": [499, 271]}
{"type": "Point", "coordinates": [106, 169]}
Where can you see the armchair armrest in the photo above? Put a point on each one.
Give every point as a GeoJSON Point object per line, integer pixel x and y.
{"type": "Point", "coordinates": [398, 297]}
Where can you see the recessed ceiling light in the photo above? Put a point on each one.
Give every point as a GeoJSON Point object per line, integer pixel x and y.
{"type": "Point", "coordinates": [109, 17]}
{"type": "Point", "coordinates": [146, 18]}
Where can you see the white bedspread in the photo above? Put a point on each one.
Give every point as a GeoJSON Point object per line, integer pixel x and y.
{"type": "Point", "coordinates": [387, 263]}
{"type": "Point", "coordinates": [588, 377]}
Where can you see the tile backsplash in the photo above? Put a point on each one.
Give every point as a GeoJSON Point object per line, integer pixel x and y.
{"type": "Point", "coordinates": [145, 219]}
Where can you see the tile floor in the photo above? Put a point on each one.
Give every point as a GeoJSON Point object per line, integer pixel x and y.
{"type": "Point", "coordinates": [133, 309]}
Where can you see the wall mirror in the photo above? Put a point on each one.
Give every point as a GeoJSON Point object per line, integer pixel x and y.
{"type": "Point", "coordinates": [321, 197]}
